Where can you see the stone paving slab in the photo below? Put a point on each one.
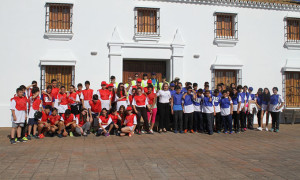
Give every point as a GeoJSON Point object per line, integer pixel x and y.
{"type": "Point", "coordinates": [249, 155]}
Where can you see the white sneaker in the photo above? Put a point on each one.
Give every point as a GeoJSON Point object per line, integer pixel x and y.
{"type": "Point", "coordinates": [267, 129]}
{"type": "Point", "coordinates": [259, 128]}
{"type": "Point", "coordinates": [151, 131]}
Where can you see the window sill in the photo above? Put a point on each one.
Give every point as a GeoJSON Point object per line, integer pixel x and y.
{"type": "Point", "coordinates": [59, 36]}
{"type": "Point", "coordinates": [141, 37]}
{"type": "Point", "coordinates": [292, 45]}
{"type": "Point", "coordinates": [225, 42]}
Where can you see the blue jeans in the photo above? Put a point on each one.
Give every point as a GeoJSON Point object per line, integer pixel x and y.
{"type": "Point", "coordinates": [227, 120]}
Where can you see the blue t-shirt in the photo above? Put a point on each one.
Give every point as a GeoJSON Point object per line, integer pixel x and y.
{"type": "Point", "coordinates": [206, 102]}
{"type": "Point", "coordinates": [183, 90]}
{"type": "Point", "coordinates": [188, 100]}
{"type": "Point", "coordinates": [217, 100]}
{"type": "Point", "coordinates": [274, 99]}
{"type": "Point", "coordinates": [243, 96]}
{"type": "Point", "coordinates": [172, 92]}
{"type": "Point", "coordinates": [225, 103]}
{"type": "Point", "coordinates": [177, 101]}
{"type": "Point", "coordinates": [234, 100]}
{"type": "Point", "coordinates": [259, 100]}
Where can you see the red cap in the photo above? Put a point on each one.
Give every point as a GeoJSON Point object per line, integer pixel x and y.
{"type": "Point", "coordinates": [110, 85]}
{"type": "Point", "coordinates": [139, 80]}
{"type": "Point", "coordinates": [149, 81]}
{"type": "Point", "coordinates": [129, 108]}
{"type": "Point", "coordinates": [103, 83]}
{"type": "Point", "coordinates": [134, 87]}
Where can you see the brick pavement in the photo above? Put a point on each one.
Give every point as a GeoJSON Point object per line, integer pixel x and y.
{"type": "Point", "coordinates": [250, 155]}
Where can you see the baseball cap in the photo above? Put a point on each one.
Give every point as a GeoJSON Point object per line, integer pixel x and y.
{"type": "Point", "coordinates": [110, 85]}
{"type": "Point", "coordinates": [251, 88]}
{"type": "Point", "coordinates": [129, 108]}
{"type": "Point", "coordinates": [139, 80]}
{"type": "Point", "coordinates": [172, 85]}
{"type": "Point", "coordinates": [103, 83]}
{"type": "Point", "coordinates": [149, 81]}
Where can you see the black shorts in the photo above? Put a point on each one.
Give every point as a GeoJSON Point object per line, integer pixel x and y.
{"type": "Point", "coordinates": [33, 121]}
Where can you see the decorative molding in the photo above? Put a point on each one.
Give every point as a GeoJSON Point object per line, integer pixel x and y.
{"type": "Point", "coordinates": [146, 37]}
{"type": "Point", "coordinates": [57, 63]}
{"type": "Point", "coordinates": [225, 42]}
{"type": "Point", "coordinates": [292, 45]}
{"type": "Point", "coordinates": [240, 3]}
{"type": "Point", "coordinates": [59, 36]}
{"type": "Point", "coordinates": [291, 64]}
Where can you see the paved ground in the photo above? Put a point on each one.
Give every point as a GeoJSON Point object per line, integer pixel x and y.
{"type": "Point", "coordinates": [251, 155]}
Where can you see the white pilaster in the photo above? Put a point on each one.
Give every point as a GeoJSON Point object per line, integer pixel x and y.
{"type": "Point", "coordinates": [115, 56]}
{"type": "Point", "coordinates": [177, 47]}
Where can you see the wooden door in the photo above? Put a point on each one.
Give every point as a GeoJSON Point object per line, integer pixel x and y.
{"type": "Point", "coordinates": [130, 67]}
{"type": "Point", "coordinates": [292, 85]}
{"type": "Point", "coordinates": [63, 75]}
{"type": "Point", "coordinates": [225, 76]}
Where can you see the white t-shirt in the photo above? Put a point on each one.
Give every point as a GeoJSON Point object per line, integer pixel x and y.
{"type": "Point", "coordinates": [20, 115]}
{"type": "Point", "coordinates": [164, 96]}
{"type": "Point", "coordinates": [31, 110]}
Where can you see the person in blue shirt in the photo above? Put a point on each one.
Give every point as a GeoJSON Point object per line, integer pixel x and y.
{"type": "Point", "coordinates": [258, 101]}
{"type": "Point", "coordinates": [241, 107]}
{"type": "Point", "coordinates": [219, 87]}
{"type": "Point", "coordinates": [197, 115]}
{"type": "Point", "coordinates": [226, 112]}
{"type": "Point", "coordinates": [177, 110]}
{"type": "Point", "coordinates": [244, 123]}
{"type": "Point", "coordinates": [208, 111]}
{"type": "Point", "coordinates": [265, 106]}
{"type": "Point", "coordinates": [184, 89]}
{"type": "Point", "coordinates": [188, 110]}
{"type": "Point", "coordinates": [216, 99]}
{"type": "Point", "coordinates": [276, 103]}
{"type": "Point", "coordinates": [172, 89]}
{"type": "Point", "coordinates": [235, 115]}
{"type": "Point", "coordinates": [195, 87]}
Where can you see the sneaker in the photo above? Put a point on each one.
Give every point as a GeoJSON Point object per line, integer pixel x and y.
{"type": "Point", "coordinates": [181, 132]}
{"type": "Point", "coordinates": [143, 132]}
{"type": "Point", "coordinates": [226, 132]}
{"type": "Point", "coordinates": [175, 131]}
{"type": "Point", "coordinates": [139, 133]}
{"type": "Point", "coordinates": [271, 130]}
{"type": "Point", "coordinates": [12, 141]}
{"type": "Point", "coordinates": [242, 130]}
{"type": "Point", "coordinates": [218, 132]}
{"type": "Point", "coordinates": [35, 136]}
{"type": "Point", "coordinates": [245, 129]}
{"type": "Point", "coordinates": [277, 130]}
{"type": "Point", "coordinates": [59, 135]}
{"type": "Point", "coordinates": [211, 133]}
{"type": "Point", "coordinates": [29, 137]}
{"type": "Point", "coordinates": [267, 129]}
{"type": "Point", "coordinates": [129, 134]}
{"type": "Point", "coordinates": [41, 136]}
{"type": "Point", "coordinates": [84, 134]}
{"type": "Point", "coordinates": [106, 134]}
{"type": "Point", "coordinates": [25, 139]}
{"type": "Point", "coordinates": [21, 140]}
{"type": "Point", "coordinates": [151, 131]}
{"type": "Point", "coordinates": [192, 131]}
{"type": "Point", "coordinates": [71, 134]}
{"type": "Point", "coordinates": [231, 132]}
{"type": "Point", "coordinates": [185, 131]}
{"type": "Point", "coordinates": [259, 128]}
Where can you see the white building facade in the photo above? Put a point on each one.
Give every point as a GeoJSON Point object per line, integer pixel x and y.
{"type": "Point", "coordinates": [246, 42]}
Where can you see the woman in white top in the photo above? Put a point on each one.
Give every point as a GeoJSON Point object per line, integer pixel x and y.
{"type": "Point", "coordinates": [164, 108]}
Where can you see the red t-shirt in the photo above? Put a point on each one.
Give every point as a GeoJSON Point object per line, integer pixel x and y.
{"type": "Point", "coordinates": [36, 103]}
{"type": "Point", "coordinates": [114, 118]}
{"type": "Point", "coordinates": [63, 99]}
{"type": "Point", "coordinates": [88, 94]}
{"type": "Point", "coordinates": [104, 94]}
{"type": "Point", "coordinates": [54, 92]}
{"type": "Point", "coordinates": [69, 119]}
{"type": "Point", "coordinates": [21, 103]}
{"type": "Point", "coordinates": [95, 107]}
{"type": "Point", "coordinates": [44, 117]}
{"type": "Point", "coordinates": [151, 98]}
{"type": "Point", "coordinates": [54, 119]}
{"type": "Point", "coordinates": [72, 98]}
{"type": "Point", "coordinates": [80, 121]}
{"type": "Point", "coordinates": [140, 100]}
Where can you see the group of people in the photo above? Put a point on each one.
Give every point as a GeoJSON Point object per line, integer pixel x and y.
{"type": "Point", "coordinates": [120, 108]}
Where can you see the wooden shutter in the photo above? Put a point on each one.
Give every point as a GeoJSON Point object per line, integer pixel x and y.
{"type": "Point", "coordinates": [293, 29]}
{"type": "Point", "coordinates": [147, 20]}
{"type": "Point", "coordinates": [63, 75]}
{"type": "Point", "coordinates": [292, 89]}
{"type": "Point", "coordinates": [59, 16]}
{"type": "Point", "coordinates": [225, 76]}
{"type": "Point", "coordinates": [225, 25]}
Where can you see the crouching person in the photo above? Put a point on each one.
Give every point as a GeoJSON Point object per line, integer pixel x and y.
{"type": "Point", "coordinates": [43, 126]}
{"type": "Point", "coordinates": [82, 121]}
{"type": "Point", "coordinates": [69, 123]}
{"type": "Point", "coordinates": [105, 123]}
{"type": "Point", "coordinates": [130, 123]}
{"type": "Point", "coordinates": [54, 122]}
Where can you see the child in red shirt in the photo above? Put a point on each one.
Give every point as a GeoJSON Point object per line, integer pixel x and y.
{"type": "Point", "coordinates": [130, 123]}
{"type": "Point", "coordinates": [54, 122]}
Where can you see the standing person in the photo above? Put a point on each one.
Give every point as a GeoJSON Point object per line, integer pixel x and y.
{"type": "Point", "coordinates": [73, 100]}
{"type": "Point", "coordinates": [113, 81]}
{"type": "Point", "coordinates": [63, 100]}
{"type": "Point", "coordinates": [172, 89]}
{"type": "Point", "coordinates": [235, 115]}
{"type": "Point", "coordinates": [197, 115]}
{"type": "Point", "coordinates": [265, 106]}
{"type": "Point", "coordinates": [188, 109]}
{"type": "Point", "coordinates": [153, 107]}
{"type": "Point", "coordinates": [195, 87]}
{"type": "Point", "coordinates": [232, 86]}
{"type": "Point", "coordinates": [241, 107]}
{"type": "Point", "coordinates": [128, 84]}
{"type": "Point", "coordinates": [54, 92]}
{"type": "Point", "coordinates": [130, 123]}
{"type": "Point", "coordinates": [149, 83]}
{"type": "Point", "coordinates": [136, 77]}
{"type": "Point", "coordinates": [251, 105]}
{"type": "Point", "coordinates": [105, 124]}
{"type": "Point", "coordinates": [30, 87]}
{"type": "Point", "coordinates": [87, 95]}
{"type": "Point", "coordinates": [276, 103]}
{"type": "Point", "coordinates": [104, 95]}
{"type": "Point", "coordinates": [258, 102]}
{"type": "Point", "coordinates": [140, 103]}
{"type": "Point", "coordinates": [94, 112]}
{"type": "Point", "coordinates": [145, 80]}
{"type": "Point", "coordinates": [131, 96]}
{"type": "Point", "coordinates": [18, 107]}
{"type": "Point", "coordinates": [164, 108]}
{"type": "Point", "coordinates": [164, 80]}
{"type": "Point", "coordinates": [177, 110]}
{"type": "Point", "coordinates": [245, 91]}
{"type": "Point", "coordinates": [226, 112]}
{"type": "Point", "coordinates": [83, 123]}
{"type": "Point", "coordinates": [217, 111]}
{"type": "Point", "coordinates": [69, 123]}
{"type": "Point", "coordinates": [46, 97]}
{"type": "Point", "coordinates": [78, 97]}
{"type": "Point", "coordinates": [121, 96]}
{"type": "Point", "coordinates": [208, 111]}
{"type": "Point", "coordinates": [112, 91]}
{"type": "Point", "coordinates": [154, 80]}
{"type": "Point", "coordinates": [35, 104]}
